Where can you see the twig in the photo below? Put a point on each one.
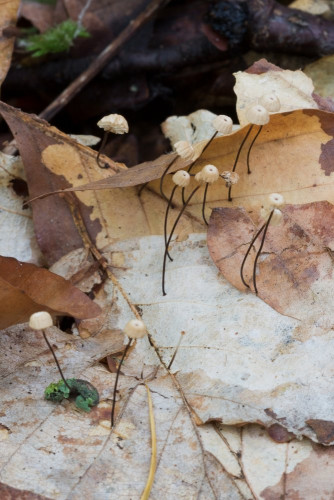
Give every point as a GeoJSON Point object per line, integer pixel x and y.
{"type": "Point", "coordinates": [110, 51]}
{"type": "Point", "coordinates": [153, 465]}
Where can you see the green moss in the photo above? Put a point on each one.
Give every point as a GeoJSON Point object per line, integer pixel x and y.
{"type": "Point", "coordinates": [87, 395]}
{"type": "Point", "coordinates": [54, 40]}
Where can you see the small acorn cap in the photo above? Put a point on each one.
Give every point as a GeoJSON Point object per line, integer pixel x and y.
{"type": "Point", "coordinates": [209, 174]}
{"type": "Point", "coordinates": [230, 177]}
{"type": "Point", "coordinates": [184, 149]}
{"type": "Point", "coordinates": [116, 124]}
{"type": "Point", "coordinates": [135, 329]}
{"type": "Point", "coordinates": [271, 102]}
{"type": "Point", "coordinates": [257, 115]}
{"type": "Point", "coordinates": [223, 124]}
{"type": "Point", "coordinates": [181, 178]}
{"type": "Point", "coordinates": [276, 200]}
{"type": "Point", "coordinates": [40, 320]}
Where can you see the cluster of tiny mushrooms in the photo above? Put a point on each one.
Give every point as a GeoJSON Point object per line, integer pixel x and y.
{"type": "Point", "coordinates": [257, 115]}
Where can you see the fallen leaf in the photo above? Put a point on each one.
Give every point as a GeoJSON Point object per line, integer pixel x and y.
{"type": "Point", "coordinates": [17, 238]}
{"type": "Point", "coordinates": [7, 20]}
{"type": "Point", "coordinates": [295, 268]}
{"type": "Point", "coordinates": [26, 288]}
{"type": "Point", "coordinates": [239, 360]}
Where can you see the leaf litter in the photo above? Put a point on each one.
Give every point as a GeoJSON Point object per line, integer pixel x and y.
{"type": "Point", "coordinates": [268, 370]}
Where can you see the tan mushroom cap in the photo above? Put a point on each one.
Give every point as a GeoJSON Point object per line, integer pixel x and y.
{"type": "Point", "coordinates": [181, 178]}
{"type": "Point", "coordinates": [184, 149]}
{"type": "Point", "coordinates": [116, 124]}
{"type": "Point", "coordinates": [40, 320]}
{"type": "Point", "coordinates": [271, 102]}
{"type": "Point", "coordinates": [135, 329]}
{"type": "Point", "coordinates": [257, 115]}
{"type": "Point", "coordinates": [223, 124]}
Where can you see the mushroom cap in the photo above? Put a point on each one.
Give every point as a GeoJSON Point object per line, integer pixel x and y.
{"type": "Point", "coordinates": [276, 200]}
{"type": "Point", "coordinates": [230, 177]}
{"type": "Point", "coordinates": [184, 149]}
{"type": "Point", "coordinates": [223, 124]}
{"type": "Point", "coordinates": [181, 178]}
{"type": "Point", "coordinates": [209, 174]}
{"type": "Point", "coordinates": [271, 102]}
{"type": "Point", "coordinates": [135, 329]}
{"type": "Point", "coordinates": [114, 123]}
{"type": "Point", "coordinates": [276, 217]}
{"type": "Point", "coordinates": [40, 320]}
{"type": "Point", "coordinates": [257, 115]}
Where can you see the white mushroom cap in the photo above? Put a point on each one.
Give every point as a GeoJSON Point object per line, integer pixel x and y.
{"type": "Point", "coordinates": [114, 123]}
{"type": "Point", "coordinates": [209, 174]}
{"type": "Point", "coordinates": [276, 217]}
{"type": "Point", "coordinates": [271, 102]}
{"type": "Point", "coordinates": [223, 124]}
{"type": "Point", "coordinates": [40, 320]}
{"type": "Point", "coordinates": [276, 200]}
{"type": "Point", "coordinates": [135, 329]}
{"type": "Point", "coordinates": [181, 178]}
{"type": "Point", "coordinates": [184, 149]}
{"type": "Point", "coordinates": [257, 115]}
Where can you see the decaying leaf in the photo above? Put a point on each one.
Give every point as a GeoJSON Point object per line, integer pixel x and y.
{"type": "Point", "coordinates": [26, 288]}
{"type": "Point", "coordinates": [295, 269]}
{"type": "Point", "coordinates": [17, 238]}
{"type": "Point", "coordinates": [239, 361]}
{"type": "Point", "coordinates": [7, 20]}
{"type": "Point", "coordinates": [293, 88]}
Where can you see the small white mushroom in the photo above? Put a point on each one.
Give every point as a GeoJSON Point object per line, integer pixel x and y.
{"type": "Point", "coordinates": [181, 178]}
{"type": "Point", "coordinates": [271, 102]}
{"type": "Point", "coordinates": [116, 124]}
{"type": "Point", "coordinates": [223, 124]}
{"type": "Point", "coordinates": [257, 115]}
{"type": "Point", "coordinates": [40, 320]}
{"type": "Point", "coordinates": [184, 149]}
{"type": "Point", "coordinates": [135, 329]}
{"type": "Point", "coordinates": [209, 174]}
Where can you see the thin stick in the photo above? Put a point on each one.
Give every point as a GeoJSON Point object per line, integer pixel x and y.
{"type": "Point", "coordinates": [194, 162]}
{"type": "Point", "coordinates": [56, 360]}
{"type": "Point", "coordinates": [246, 255]}
{"type": "Point", "coordinates": [116, 382]}
{"type": "Point", "coordinates": [203, 205]}
{"type": "Point", "coordinates": [237, 158]}
{"type": "Point", "coordinates": [260, 249]}
{"type": "Point", "coordinates": [153, 465]}
{"type": "Point", "coordinates": [166, 220]}
{"type": "Point", "coordinates": [103, 143]}
{"type": "Point", "coordinates": [250, 148]}
{"type": "Point", "coordinates": [171, 235]}
{"type": "Point", "coordinates": [102, 59]}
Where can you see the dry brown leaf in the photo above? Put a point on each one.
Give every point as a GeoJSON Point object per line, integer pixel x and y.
{"type": "Point", "coordinates": [26, 288]}
{"type": "Point", "coordinates": [8, 15]}
{"type": "Point", "coordinates": [295, 269]}
{"type": "Point", "coordinates": [292, 156]}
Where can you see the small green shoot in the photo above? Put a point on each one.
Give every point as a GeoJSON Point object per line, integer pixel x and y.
{"type": "Point", "coordinates": [55, 40]}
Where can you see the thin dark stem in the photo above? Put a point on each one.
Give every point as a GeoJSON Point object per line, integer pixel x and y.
{"type": "Point", "coordinates": [194, 162]}
{"type": "Point", "coordinates": [56, 360]}
{"type": "Point", "coordinates": [164, 175]}
{"type": "Point", "coordinates": [250, 148]}
{"type": "Point", "coordinates": [237, 158]}
{"type": "Point", "coordinates": [116, 382]}
{"type": "Point", "coordinates": [203, 205]}
{"type": "Point", "coordinates": [171, 235]}
{"type": "Point", "coordinates": [142, 188]}
{"type": "Point", "coordinates": [246, 255]}
{"type": "Point", "coordinates": [103, 143]}
{"type": "Point", "coordinates": [260, 249]}
{"type": "Point", "coordinates": [166, 220]}
{"type": "Point", "coordinates": [175, 352]}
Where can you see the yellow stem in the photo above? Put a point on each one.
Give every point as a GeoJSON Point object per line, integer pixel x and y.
{"type": "Point", "coordinates": [153, 465]}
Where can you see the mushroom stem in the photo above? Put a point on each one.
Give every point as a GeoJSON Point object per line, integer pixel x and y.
{"type": "Point", "coordinates": [250, 148]}
{"type": "Point", "coordinates": [204, 202]}
{"type": "Point", "coordinates": [166, 220]}
{"type": "Point", "coordinates": [171, 235]}
{"type": "Point", "coordinates": [103, 143]}
{"type": "Point", "coordinates": [116, 382]}
{"type": "Point", "coordinates": [237, 158]}
{"type": "Point", "coordinates": [260, 249]}
{"type": "Point", "coordinates": [56, 360]}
